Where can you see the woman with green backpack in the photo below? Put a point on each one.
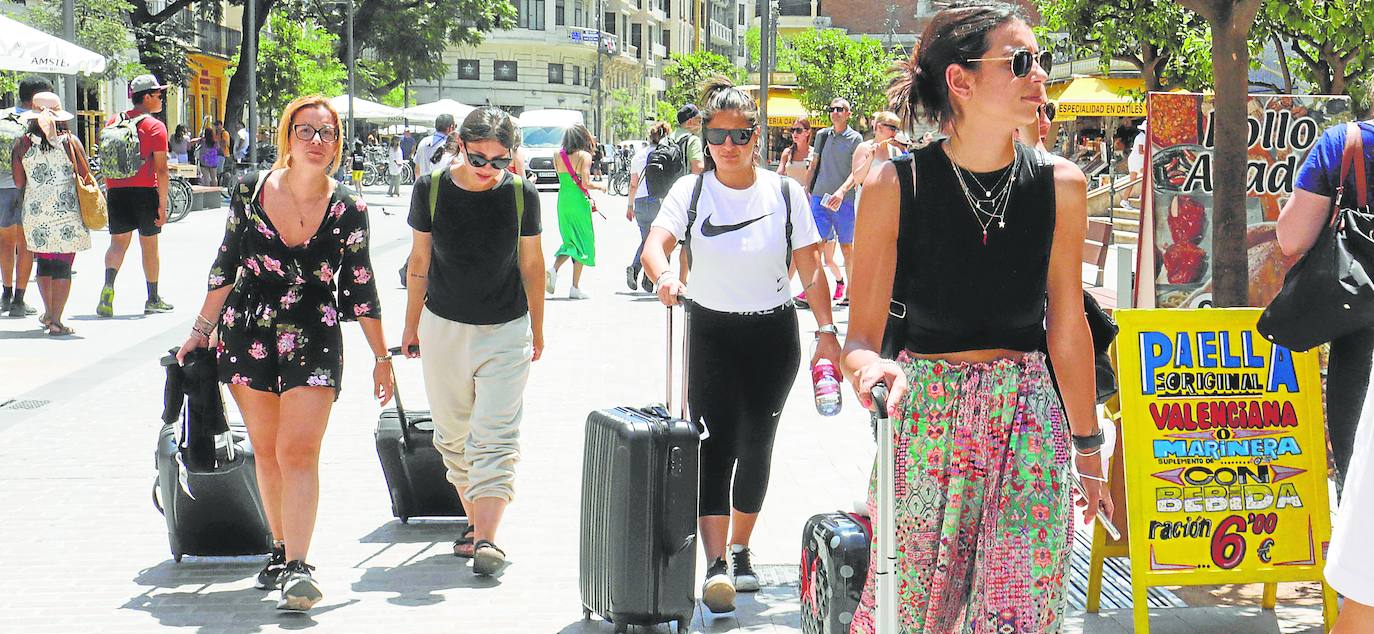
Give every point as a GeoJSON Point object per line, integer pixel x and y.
{"type": "Point", "coordinates": [476, 300]}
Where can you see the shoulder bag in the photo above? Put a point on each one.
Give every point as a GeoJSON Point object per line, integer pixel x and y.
{"type": "Point", "coordinates": [94, 212]}
{"type": "Point", "coordinates": [1328, 293]}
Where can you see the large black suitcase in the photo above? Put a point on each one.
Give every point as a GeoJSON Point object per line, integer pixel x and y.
{"type": "Point", "coordinates": [639, 513]}
{"type": "Point", "coordinates": [216, 511]}
{"type": "Point", "coordinates": [834, 567]}
{"type": "Point", "coordinates": [415, 473]}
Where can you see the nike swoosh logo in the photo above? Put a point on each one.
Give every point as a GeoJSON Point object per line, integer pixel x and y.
{"type": "Point", "coordinates": [709, 230]}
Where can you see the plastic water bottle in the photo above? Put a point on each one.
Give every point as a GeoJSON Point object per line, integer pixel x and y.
{"type": "Point", "coordinates": [825, 381]}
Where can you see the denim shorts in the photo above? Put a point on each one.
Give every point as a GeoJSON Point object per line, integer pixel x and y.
{"type": "Point", "coordinates": [11, 209]}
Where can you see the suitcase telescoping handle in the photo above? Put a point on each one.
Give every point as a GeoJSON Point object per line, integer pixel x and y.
{"type": "Point", "coordinates": [885, 526]}
{"type": "Point", "coordinates": [668, 369]}
{"type": "Point", "coordinates": [396, 394]}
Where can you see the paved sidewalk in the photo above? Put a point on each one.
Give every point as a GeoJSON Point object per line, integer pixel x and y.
{"type": "Point", "coordinates": [83, 550]}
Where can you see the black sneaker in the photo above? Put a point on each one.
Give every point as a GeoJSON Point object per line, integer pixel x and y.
{"type": "Point", "coordinates": [4, 304]}
{"type": "Point", "coordinates": [270, 575]}
{"type": "Point", "coordinates": [20, 309]}
{"type": "Point", "coordinates": [630, 278]}
{"type": "Point", "coordinates": [718, 591]}
{"type": "Point", "coordinates": [645, 284]}
{"type": "Point", "coordinates": [746, 580]}
{"type": "Point", "coordinates": [299, 592]}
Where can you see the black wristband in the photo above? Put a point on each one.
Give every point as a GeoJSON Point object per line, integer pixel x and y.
{"type": "Point", "coordinates": [1090, 441]}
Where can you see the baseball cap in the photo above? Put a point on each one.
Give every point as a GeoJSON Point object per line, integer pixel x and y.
{"type": "Point", "coordinates": [143, 83]}
{"type": "Point", "coordinates": [686, 113]}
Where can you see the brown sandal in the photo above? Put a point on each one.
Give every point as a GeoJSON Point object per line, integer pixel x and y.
{"type": "Point", "coordinates": [57, 329]}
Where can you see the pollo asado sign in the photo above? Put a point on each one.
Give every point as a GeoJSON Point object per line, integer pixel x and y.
{"type": "Point", "coordinates": [1225, 450]}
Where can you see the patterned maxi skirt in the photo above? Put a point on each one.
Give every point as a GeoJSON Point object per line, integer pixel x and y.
{"type": "Point", "coordinates": [982, 503]}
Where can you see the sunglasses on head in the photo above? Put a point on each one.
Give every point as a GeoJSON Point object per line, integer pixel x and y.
{"type": "Point", "coordinates": [1022, 60]}
{"type": "Point", "coordinates": [717, 136]}
{"type": "Point", "coordinates": [477, 160]}
{"type": "Point", "coordinates": [839, 108]}
{"type": "Point", "coordinates": [307, 132]}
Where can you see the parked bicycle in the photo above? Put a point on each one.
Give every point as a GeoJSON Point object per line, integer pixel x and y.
{"type": "Point", "coordinates": [178, 191]}
{"type": "Point", "coordinates": [620, 173]}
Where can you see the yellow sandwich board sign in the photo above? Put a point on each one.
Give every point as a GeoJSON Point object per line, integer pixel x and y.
{"type": "Point", "coordinates": [1225, 449]}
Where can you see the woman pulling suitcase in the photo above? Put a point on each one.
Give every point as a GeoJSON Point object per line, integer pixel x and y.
{"type": "Point", "coordinates": [743, 226]}
{"type": "Point", "coordinates": [476, 299]}
{"type": "Point", "coordinates": [294, 263]}
{"type": "Point", "coordinates": [982, 440]}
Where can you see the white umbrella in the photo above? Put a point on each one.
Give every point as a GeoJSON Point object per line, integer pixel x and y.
{"type": "Point", "coordinates": [427, 112]}
{"type": "Point", "coordinates": [365, 110]}
{"type": "Point", "coordinates": [401, 129]}
{"type": "Point", "coordinates": [25, 49]}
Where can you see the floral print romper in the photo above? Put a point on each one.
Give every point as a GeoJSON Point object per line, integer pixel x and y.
{"type": "Point", "coordinates": [279, 328]}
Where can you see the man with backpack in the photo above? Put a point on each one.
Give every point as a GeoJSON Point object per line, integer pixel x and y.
{"type": "Point", "coordinates": [687, 136]}
{"type": "Point", "coordinates": [133, 153]}
{"type": "Point", "coordinates": [16, 261]}
{"type": "Point", "coordinates": [431, 148]}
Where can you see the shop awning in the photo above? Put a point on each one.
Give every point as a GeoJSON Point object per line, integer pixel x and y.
{"type": "Point", "coordinates": [784, 109]}
{"type": "Point", "coordinates": [25, 49]}
{"type": "Point", "coordinates": [365, 110]}
{"type": "Point", "coordinates": [1099, 97]}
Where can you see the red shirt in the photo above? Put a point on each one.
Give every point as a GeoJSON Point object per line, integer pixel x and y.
{"type": "Point", "coordinates": [152, 137]}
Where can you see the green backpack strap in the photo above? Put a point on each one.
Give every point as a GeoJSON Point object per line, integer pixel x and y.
{"type": "Point", "coordinates": [434, 191]}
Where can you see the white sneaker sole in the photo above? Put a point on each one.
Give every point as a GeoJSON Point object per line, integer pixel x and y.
{"type": "Point", "coordinates": [300, 597]}
{"type": "Point", "coordinates": [747, 583]}
{"type": "Point", "coordinates": [718, 595]}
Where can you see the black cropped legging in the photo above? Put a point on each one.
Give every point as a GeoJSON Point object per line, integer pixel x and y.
{"type": "Point", "coordinates": [742, 367]}
{"type": "Point", "coordinates": [1347, 380]}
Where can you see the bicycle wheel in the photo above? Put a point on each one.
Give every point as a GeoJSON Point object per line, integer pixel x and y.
{"type": "Point", "coordinates": [407, 173]}
{"type": "Point", "coordinates": [620, 184]}
{"type": "Point", "coordinates": [178, 199]}
{"type": "Point", "coordinates": [371, 176]}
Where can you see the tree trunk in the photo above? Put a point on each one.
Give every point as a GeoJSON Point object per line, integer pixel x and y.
{"type": "Point", "coordinates": [1230, 21]}
{"type": "Point", "coordinates": [1151, 63]}
{"type": "Point", "coordinates": [236, 102]}
{"type": "Point", "coordinates": [1283, 65]}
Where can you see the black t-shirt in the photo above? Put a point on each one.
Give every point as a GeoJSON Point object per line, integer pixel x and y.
{"type": "Point", "coordinates": [474, 271]}
{"type": "Point", "coordinates": [359, 159]}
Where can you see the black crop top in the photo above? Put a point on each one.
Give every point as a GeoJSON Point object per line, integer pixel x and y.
{"type": "Point", "coordinates": [960, 293]}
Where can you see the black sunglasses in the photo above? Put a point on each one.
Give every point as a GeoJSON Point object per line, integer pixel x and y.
{"type": "Point", "coordinates": [1022, 60]}
{"type": "Point", "coordinates": [798, 130]}
{"type": "Point", "coordinates": [717, 136]}
{"type": "Point", "coordinates": [839, 109]}
{"type": "Point", "coordinates": [478, 160]}
{"type": "Point", "coordinates": [307, 132]}
{"type": "Point", "coordinates": [1050, 110]}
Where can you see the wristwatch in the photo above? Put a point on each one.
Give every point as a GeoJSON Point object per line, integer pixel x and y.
{"type": "Point", "coordinates": [1089, 441]}
{"type": "Point", "coordinates": [829, 329]}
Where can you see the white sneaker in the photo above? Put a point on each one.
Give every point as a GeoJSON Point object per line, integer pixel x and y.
{"type": "Point", "coordinates": [746, 580]}
{"type": "Point", "coordinates": [718, 592]}
{"type": "Point", "coordinates": [576, 293]}
{"type": "Point", "coordinates": [550, 280]}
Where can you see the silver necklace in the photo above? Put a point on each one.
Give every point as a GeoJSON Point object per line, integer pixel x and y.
{"type": "Point", "coordinates": [992, 206]}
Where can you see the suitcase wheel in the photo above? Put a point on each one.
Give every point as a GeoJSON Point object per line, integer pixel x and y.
{"type": "Point", "coordinates": [176, 557]}
{"type": "Point", "coordinates": [586, 614]}
{"type": "Point", "coordinates": [405, 520]}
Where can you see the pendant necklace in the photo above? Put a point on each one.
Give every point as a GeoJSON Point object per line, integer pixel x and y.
{"type": "Point", "coordinates": [992, 205]}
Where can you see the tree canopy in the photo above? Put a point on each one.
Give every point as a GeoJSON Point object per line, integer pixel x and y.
{"type": "Point", "coordinates": [296, 58]}
{"type": "Point", "coordinates": [686, 73]}
{"type": "Point", "coordinates": [1322, 43]}
{"type": "Point", "coordinates": [830, 64]}
{"type": "Point", "coordinates": [1169, 44]}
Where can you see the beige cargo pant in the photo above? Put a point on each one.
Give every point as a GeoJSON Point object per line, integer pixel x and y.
{"type": "Point", "coordinates": [475, 377]}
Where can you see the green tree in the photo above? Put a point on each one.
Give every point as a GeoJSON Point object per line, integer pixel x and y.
{"type": "Point", "coordinates": [1169, 44]}
{"type": "Point", "coordinates": [830, 65]}
{"type": "Point", "coordinates": [396, 98]}
{"type": "Point", "coordinates": [627, 115]}
{"type": "Point", "coordinates": [1329, 40]}
{"type": "Point", "coordinates": [666, 111]}
{"type": "Point", "coordinates": [1230, 21]}
{"type": "Point", "coordinates": [685, 73]}
{"type": "Point", "coordinates": [296, 58]}
{"type": "Point", "coordinates": [785, 55]}
{"type": "Point", "coordinates": [100, 27]}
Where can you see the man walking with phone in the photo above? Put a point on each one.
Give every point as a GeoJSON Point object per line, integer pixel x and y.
{"type": "Point", "coordinates": [832, 157]}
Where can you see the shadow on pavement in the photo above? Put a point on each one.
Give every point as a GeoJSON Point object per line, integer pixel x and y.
{"type": "Point", "coordinates": [418, 583]}
{"type": "Point", "coordinates": [416, 532]}
{"type": "Point", "coordinates": [766, 610]}
{"type": "Point", "coordinates": [243, 610]}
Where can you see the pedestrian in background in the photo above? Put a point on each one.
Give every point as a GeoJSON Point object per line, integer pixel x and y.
{"type": "Point", "coordinates": [750, 224]}
{"type": "Point", "coordinates": [475, 317]}
{"type": "Point", "coordinates": [357, 160]}
{"type": "Point", "coordinates": [294, 263]}
{"type": "Point", "coordinates": [16, 260]}
{"type": "Point", "coordinates": [45, 164]}
{"type": "Point", "coordinates": [407, 145]}
{"type": "Point", "coordinates": [140, 202]}
{"type": "Point", "coordinates": [1349, 416]}
{"type": "Point", "coordinates": [981, 439]}
{"type": "Point", "coordinates": [209, 158]}
{"type": "Point", "coordinates": [643, 208]}
{"type": "Point", "coordinates": [575, 206]}
{"type": "Point", "coordinates": [393, 168]}
{"type": "Point", "coordinates": [179, 146]}
{"type": "Point", "coordinates": [832, 162]}
{"type": "Point", "coordinates": [430, 149]}
{"type": "Point", "coordinates": [794, 162]}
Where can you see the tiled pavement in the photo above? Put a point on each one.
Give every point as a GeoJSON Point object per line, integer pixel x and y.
{"type": "Point", "coordinates": [83, 550]}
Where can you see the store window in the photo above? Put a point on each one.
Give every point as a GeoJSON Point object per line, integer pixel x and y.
{"type": "Point", "coordinates": [506, 71]}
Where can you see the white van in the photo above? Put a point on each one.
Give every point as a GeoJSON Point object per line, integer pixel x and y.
{"type": "Point", "coordinates": [542, 132]}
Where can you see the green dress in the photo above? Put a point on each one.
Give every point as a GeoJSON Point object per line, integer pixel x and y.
{"type": "Point", "coordinates": [575, 222]}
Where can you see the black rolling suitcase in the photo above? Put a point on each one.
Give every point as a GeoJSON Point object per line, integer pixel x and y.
{"type": "Point", "coordinates": [834, 567]}
{"type": "Point", "coordinates": [415, 474]}
{"type": "Point", "coordinates": [207, 483]}
{"type": "Point", "coordinates": [639, 512]}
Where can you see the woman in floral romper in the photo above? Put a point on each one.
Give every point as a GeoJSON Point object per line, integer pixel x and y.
{"type": "Point", "coordinates": [990, 230]}
{"type": "Point", "coordinates": [294, 264]}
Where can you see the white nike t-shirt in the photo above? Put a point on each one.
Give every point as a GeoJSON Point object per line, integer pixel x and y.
{"type": "Point", "coordinates": [739, 240]}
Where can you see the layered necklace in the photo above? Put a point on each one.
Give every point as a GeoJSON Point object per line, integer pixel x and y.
{"type": "Point", "coordinates": [988, 204]}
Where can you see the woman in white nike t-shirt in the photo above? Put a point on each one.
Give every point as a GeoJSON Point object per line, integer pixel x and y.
{"type": "Point", "coordinates": [743, 329]}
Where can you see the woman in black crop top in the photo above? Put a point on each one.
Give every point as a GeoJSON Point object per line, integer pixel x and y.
{"type": "Point", "coordinates": [971, 234]}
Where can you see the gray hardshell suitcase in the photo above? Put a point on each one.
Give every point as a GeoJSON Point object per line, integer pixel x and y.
{"type": "Point", "coordinates": [639, 512]}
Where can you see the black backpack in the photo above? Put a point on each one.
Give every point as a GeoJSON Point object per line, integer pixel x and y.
{"type": "Point", "coordinates": [667, 161]}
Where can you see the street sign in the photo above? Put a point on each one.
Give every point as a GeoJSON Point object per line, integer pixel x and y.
{"type": "Point", "coordinates": [1225, 448]}
{"type": "Point", "coordinates": [584, 36]}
